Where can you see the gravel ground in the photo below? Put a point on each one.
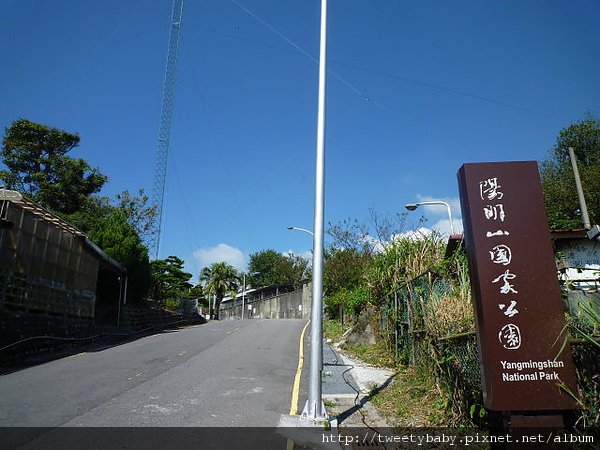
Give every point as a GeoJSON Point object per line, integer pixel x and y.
{"type": "Point", "coordinates": [351, 407]}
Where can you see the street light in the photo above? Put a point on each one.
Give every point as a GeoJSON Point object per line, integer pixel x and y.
{"type": "Point", "coordinates": [302, 229]}
{"type": "Point", "coordinates": [413, 206]}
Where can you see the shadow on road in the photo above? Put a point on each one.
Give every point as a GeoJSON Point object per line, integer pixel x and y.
{"type": "Point", "coordinates": [97, 343]}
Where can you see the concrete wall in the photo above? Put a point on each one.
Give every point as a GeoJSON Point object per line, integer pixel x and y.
{"type": "Point", "coordinates": [290, 305]}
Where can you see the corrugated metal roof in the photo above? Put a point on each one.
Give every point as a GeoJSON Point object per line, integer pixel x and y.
{"type": "Point", "coordinates": [39, 211]}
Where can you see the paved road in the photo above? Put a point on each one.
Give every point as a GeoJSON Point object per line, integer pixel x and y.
{"type": "Point", "coordinates": [231, 373]}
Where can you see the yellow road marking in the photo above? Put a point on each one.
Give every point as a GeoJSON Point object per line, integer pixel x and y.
{"type": "Point", "coordinates": [289, 445]}
{"type": "Point", "coordinates": [78, 354]}
{"type": "Point", "coordinates": [182, 353]}
{"type": "Point", "coordinates": [296, 388]}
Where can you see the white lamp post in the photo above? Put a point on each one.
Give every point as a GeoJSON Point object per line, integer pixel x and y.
{"type": "Point", "coordinates": [314, 410]}
{"type": "Point", "coordinates": [413, 206]}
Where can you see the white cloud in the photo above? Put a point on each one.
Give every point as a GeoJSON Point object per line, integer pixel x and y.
{"type": "Point", "coordinates": [377, 245]}
{"type": "Point", "coordinates": [221, 253]}
{"type": "Point", "coordinates": [443, 226]}
{"type": "Point", "coordinates": [440, 210]}
{"type": "Point", "coordinates": [413, 235]}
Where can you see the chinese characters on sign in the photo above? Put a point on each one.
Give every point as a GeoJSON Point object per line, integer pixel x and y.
{"type": "Point", "coordinates": [509, 335]}
{"type": "Point", "coordinates": [519, 312]}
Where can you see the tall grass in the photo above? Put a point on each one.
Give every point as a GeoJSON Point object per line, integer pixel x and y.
{"type": "Point", "coordinates": [402, 260]}
{"type": "Point", "coordinates": [449, 310]}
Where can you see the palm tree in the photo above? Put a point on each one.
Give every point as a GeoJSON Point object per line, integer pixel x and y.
{"type": "Point", "coordinates": [220, 279]}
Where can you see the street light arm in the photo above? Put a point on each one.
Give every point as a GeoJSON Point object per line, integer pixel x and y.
{"type": "Point", "coordinates": [413, 206]}
{"type": "Point", "coordinates": [301, 229]}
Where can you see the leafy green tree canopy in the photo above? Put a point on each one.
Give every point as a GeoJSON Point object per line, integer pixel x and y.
{"type": "Point", "coordinates": [197, 293]}
{"type": "Point", "coordinates": [118, 238]}
{"type": "Point", "coordinates": [353, 300]}
{"type": "Point", "coordinates": [37, 162]}
{"type": "Point", "coordinates": [558, 182]}
{"type": "Point", "coordinates": [220, 279]}
{"type": "Point", "coordinates": [269, 267]}
{"type": "Point", "coordinates": [136, 209]}
{"type": "Point", "coordinates": [344, 269]}
{"type": "Point", "coordinates": [140, 214]}
{"type": "Point", "coordinates": [170, 283]}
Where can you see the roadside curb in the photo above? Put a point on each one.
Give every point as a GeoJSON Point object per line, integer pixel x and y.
{"type": "Point", "coordinates": [356, 410]}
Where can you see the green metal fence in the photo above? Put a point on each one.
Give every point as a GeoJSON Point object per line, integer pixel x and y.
{"type": "Point", "coordinates": [425, 327]}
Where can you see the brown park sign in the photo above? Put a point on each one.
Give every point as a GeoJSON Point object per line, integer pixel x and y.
{"type": "Point", "coordinates": [519, 312]}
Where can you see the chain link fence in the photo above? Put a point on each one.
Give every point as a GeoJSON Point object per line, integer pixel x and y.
{"type": "Point", "coordinates": [429, 322]}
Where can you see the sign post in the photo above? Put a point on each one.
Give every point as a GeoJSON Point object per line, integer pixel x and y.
{"type": "Point", "coordinates": [519, 312]}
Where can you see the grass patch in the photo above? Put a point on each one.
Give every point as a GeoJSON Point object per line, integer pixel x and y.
{"type": "Point", "coordinates": [375, 355]}
{"type": "Point", "coordinates": [329, 403]}
{"type": "Point", "coordinates": [412, 400]}
{"type": "Point", "coordinates": [333, 329]}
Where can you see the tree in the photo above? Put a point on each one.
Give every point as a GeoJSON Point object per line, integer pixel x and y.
{"type": "Point", "coordinates": [220, 279]}
{"type": "Point", "coordinates": [352, 300]}
{"type": "Point", "coordinates": [170, 283]}
{"type": "Point", "coordinates": [343, 277]}
{"type": "Point", "coordinates": [38, 166]}
{"type": "Point", "coordinates": [558, 182]}
{"type": "Point", "coordinates": [269, 267]}
{"type": "Point", "coordinates": [300, 269]}
{"type": "Point", "coordinates": [350, 234]}
{"type": "Point", "coordinates": [197, 293]}
{"type": "Point", "coordinates": [118, 238]}
{"type": "Point", "coordinates": [344, 269]}
{"type": "Point", "coordinates": [366, 237]}
{"type": "Point", "coordinates": [92, 210]}
{"type": "Point", "coordinates": [139, 213]}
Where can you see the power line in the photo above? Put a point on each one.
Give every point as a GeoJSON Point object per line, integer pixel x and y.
{"type": "Point", "coordinates": [365, 98]}
{"type": "Point", "coordinates": [230, 182]}
{"type": "Point", "coordinates": [441, 88]}
{"type": "Point", "coordinates": [378, 72]}
{"type": "Point", "coordinates": [190, 222]}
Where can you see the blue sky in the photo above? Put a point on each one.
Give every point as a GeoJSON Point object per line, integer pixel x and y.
{"type": "Point", "coordinates": [415, 89]}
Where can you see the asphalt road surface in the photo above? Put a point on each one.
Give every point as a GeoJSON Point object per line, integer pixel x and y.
{"type": "Point", "coordinates": [220, 374]}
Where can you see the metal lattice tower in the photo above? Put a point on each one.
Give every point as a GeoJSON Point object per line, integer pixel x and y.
{"type": "Point", "coordinates": [164, 129]}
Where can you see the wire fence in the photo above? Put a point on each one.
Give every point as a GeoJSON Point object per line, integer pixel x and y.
{"type": "Point", "coordinates": [429, 322]}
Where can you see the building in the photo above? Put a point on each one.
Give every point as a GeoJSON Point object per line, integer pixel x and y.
{"type": "Point", "coordinates": [47, 265]}
{"type": "Point", "coordinates": [578, 261]}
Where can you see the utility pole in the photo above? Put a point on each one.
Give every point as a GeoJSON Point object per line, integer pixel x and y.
{"type": "Point", "coordinates": [314, 409]}
{"type": "Point", "coordinates": [584, 211]}
{"type": "Point", "coordinates": [243, 295]}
